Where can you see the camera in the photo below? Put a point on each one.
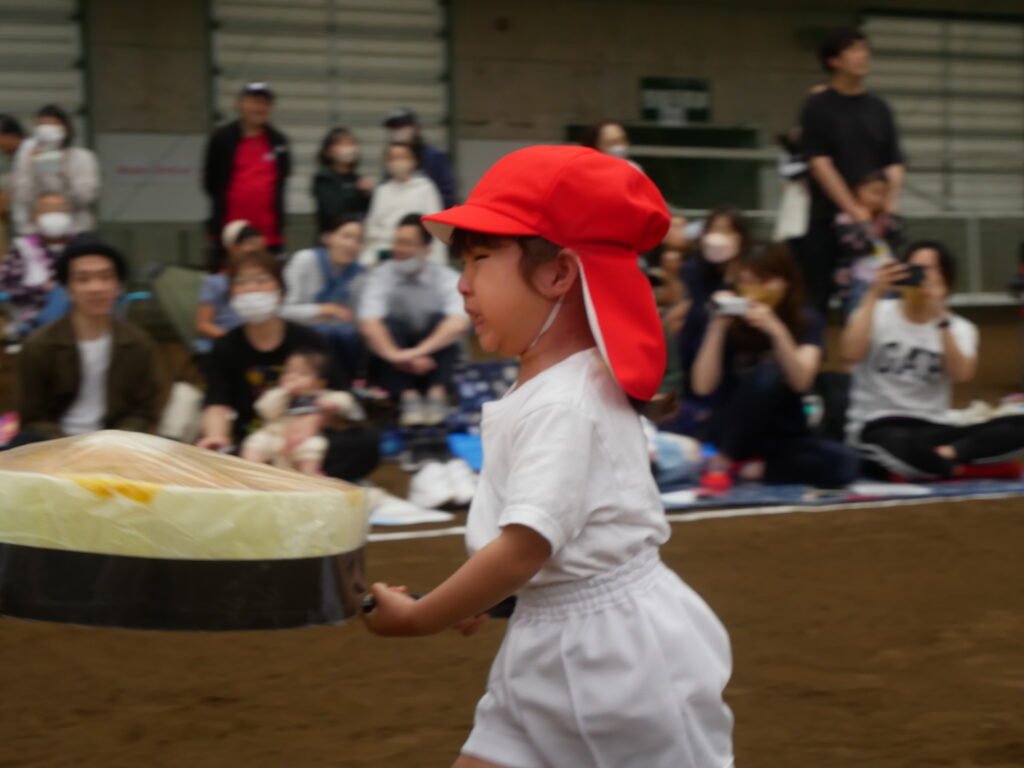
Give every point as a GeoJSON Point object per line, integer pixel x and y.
{"type": "Point", "coordinates": [731, 306]}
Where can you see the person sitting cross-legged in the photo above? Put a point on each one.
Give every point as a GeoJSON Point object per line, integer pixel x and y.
{"type": "Point", "coordinates": [907, 353]}
{"type": "Point", "coordinates": [411, 316]}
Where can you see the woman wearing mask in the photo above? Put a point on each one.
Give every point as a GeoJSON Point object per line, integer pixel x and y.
{"type": "Point", "coordinates": [249, 360]}
{"type": "Point", "coordinates": [338, 188]}
{"type": "Point", "coordinates": [610, 138]}
{"type": "Point", "coordinates": [403, 127]}
{"type": "Point", "coordinates": [760, 354]}
{"type": "Point", "coordinates": [907, 353]}
{"type": "Point", "coordinates": [27, 274]}
{"type": "Point", "coordinates": [214, 315]}
{"type": "Point", "coordinates": [48, 163]}
{"type": "Point", "coordinates": [709, 267]}
{"type": "Point", "coordinates": [406, 191]}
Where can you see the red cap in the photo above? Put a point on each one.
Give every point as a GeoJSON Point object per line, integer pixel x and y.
{"type": "Point", "coordinates": [605, 210]}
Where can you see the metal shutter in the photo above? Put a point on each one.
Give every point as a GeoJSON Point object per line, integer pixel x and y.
{"type": "Point", "coordinates": [330, 63]}
{"type": "Point", "coordinates": [40, 59]}
{"type": "Point", "coordinates": [957, 88]}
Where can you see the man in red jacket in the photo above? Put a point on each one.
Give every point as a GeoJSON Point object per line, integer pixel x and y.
{"type": "Point", "coordinates": [246, 167]}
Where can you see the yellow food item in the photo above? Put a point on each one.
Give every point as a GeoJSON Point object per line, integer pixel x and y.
{"type": "Point", "coordinates": [108, 485]}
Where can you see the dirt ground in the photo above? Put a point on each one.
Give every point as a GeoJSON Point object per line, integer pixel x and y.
{"type": "Point", "coordinates": [881, 637]}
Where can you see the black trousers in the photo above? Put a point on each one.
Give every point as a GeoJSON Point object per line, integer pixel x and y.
{"type": "Point", "coordinates": [817, 254]}
{"type": "Point", "coordinates": [405, 336]}
{"type": "Point", "coordinates": [763, 418]}
{"type": "Point", "coordinates": [906, 445]}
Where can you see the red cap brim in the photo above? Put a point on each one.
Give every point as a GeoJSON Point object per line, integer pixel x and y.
{"type": "Point", "coordinates": [624, 319]}
{"type": "Point", "coordinates": [474, 218]}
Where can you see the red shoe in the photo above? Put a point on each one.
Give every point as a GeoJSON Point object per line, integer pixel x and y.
{"type": "Point", "coordinates": [1003, 470]}
{"type": "Point", "coordinates": [716, 481]}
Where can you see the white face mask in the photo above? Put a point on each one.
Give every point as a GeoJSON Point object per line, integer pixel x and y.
{"type": "Point", "coordinates": [54, 226]}
{"type": "Point", "coordinates": [346, 154]}
{"type": "Point", "coordinates": [718, 248]}
{"type": "Point", "coordinates": [401, 169]}
{"type": "Point", "coordinates": [257, 306]}
{"type": "Point", "coordinates": [552, 316]}
{"type": "Point", "coordinates": [49, 134]}
{"type": "Point", "coordinates": [619, 150]}
{"type": "Point", "coordinates": [404, 135]}
{"type": "Point", "coordinates": [409, 267]}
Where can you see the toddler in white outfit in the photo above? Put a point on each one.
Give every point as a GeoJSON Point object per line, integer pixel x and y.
{"type": "Point", "coordinates": [294, 413]}
{"type": "Point", "coordinates": [609, 659]}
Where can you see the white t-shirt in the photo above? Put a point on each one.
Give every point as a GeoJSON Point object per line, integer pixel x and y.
{"type": "Point", "coordinates": [903, 373]}
{"type": "Point", "coordinates": [565, 455]}
{"type": "Point", "coordinates": [392, 201]}
{"type": "Point", "coordinates": [434, 290]}
{"type": "Point", "coordinates": [90, 406]}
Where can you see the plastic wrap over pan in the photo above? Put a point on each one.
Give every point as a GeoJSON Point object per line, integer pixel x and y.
{"type": "Point", "coordinates": [121, 529]}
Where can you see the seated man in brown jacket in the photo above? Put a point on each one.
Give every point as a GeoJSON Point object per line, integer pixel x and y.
{"type": "Point", "coordinates": [89, 370]}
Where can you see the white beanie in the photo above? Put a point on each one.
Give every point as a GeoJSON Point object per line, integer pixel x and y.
{"type": "Point", "coordinates": [229, 235]}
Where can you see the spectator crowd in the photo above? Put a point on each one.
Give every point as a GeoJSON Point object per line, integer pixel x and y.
{"type": "Point", "coordinates": [300, 350]}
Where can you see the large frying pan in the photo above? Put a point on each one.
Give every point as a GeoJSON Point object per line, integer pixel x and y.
{"type": "Point", "coordinates": [117, 529]}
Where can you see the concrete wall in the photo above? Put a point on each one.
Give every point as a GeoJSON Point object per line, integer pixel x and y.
{"type": "Point", "coordinates": [526, 68]}
{"type": "Point", "coordinates": [148, 65]}
{"type": "Point", "coordinates": [149, 73]}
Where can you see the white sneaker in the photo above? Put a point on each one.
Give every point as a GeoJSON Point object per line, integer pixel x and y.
{"type": "Point", "coordinates": [388, 510]}
{"type": "Point", "coordinates": [462, 480]}
{"type": "Point", "coordinates": [411, 410]}
{"type": "Point", "coordinates": [430, 487]}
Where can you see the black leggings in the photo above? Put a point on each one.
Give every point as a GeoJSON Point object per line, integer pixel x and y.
{"type": "Point", "coordinates": [906, 445]}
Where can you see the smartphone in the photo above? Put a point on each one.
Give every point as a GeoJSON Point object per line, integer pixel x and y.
{"type": "Point", "coordinates": [915, 275]}
{"type": "Point", "coordinates": [731, 306]}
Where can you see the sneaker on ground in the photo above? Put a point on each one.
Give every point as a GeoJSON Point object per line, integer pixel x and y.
{"type": "Point", "coordinates": [390, 510]}
{"type": "Point", "coordinates": [435, 411]}
{"type": "Point", "coordinates": [413, 411]}
{"type": "Point", "coordinates": [462, 480]}
{"type": "Point", "coordinates": [430, 487]}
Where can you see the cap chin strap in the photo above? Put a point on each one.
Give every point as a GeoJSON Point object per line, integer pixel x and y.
{"type": "Point", "coordinates": [552, 316]}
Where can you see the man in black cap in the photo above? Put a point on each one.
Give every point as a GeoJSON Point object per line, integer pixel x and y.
{"type": "Point", "coordinates": [89, 370]}
{"type": "Point", "coordinates": [404, 128]}
{"type": "Point", "coordinates": [246, 168]}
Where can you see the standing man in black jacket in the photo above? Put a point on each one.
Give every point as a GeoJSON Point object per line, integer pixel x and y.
{"type": "Point", "coordinates": [246, 168]}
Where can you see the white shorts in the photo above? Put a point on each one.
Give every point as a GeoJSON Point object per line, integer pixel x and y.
{"type": "Point", "coordinates": [622, 670]}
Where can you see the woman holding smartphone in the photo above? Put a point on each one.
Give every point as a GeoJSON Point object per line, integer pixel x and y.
{"type": "Point", "coordinates": [908, 352]}
{"type": "Point", "coordinates": [760, 354]}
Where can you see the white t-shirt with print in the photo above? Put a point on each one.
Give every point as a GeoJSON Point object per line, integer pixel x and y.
{"type": "Point", "coordinates": [903, 373]}
{"type": "Point", "coordinates": [565, 455]}
{"type": "Point", "coordinates": [90, 406]}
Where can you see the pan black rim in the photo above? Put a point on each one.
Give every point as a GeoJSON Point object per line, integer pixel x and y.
{"type": "Point", "coordinates": [126, 592]}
